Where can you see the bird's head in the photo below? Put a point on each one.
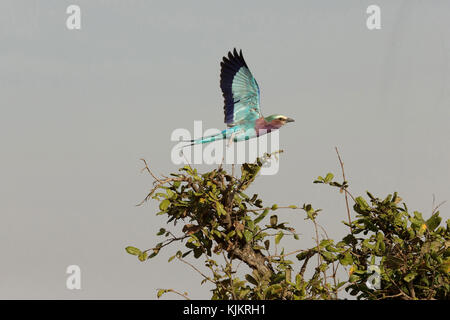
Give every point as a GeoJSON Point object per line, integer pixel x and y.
{"type": "Point", "coordinates": [278, 120]}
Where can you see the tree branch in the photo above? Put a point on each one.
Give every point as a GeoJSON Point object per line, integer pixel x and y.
{"type": "Point", "coordinates": [346, 198]}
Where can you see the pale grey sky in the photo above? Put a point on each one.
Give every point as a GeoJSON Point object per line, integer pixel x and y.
{"type": "Point", "coordinates": [80, 108]}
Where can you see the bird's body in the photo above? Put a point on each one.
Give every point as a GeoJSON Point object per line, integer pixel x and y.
{"type": "Point", "coordinates": [242, 104]}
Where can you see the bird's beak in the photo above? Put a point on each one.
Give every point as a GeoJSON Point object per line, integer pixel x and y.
{"type": "Point", "coordinates": [289, 120]}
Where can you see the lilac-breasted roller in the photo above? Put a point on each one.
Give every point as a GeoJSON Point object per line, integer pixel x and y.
{"type": "Point", "coordinates": [242, 103]}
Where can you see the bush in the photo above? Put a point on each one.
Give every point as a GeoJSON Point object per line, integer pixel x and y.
{"type": "Point", "coordinates": [389, 253]}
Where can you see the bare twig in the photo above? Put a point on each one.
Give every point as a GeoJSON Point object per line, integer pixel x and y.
{"type": "Point", "coordinates": [279, 207]}
{"type": "Point", "coordinates": [335, 268]}
{"type": "Point", "coordinates": [146, 168]}
{"type": "Point", "coordinates": [158, 185]}
{"type": "Point", "coordinates": [284, 255]}
{"type": "Point", "coordinates": [167, 242]}
{"type": "Point", "coordinates": [412, 292]}
{"type": "Point", "coordinates": [229, 272]}
{"type": "Point", "coordinates": [435, 208]}
{"type": "Point", "coordinates": [176, 292]}
{"type": "Point", "coordinates": [393, 296]}
{"type": "Point", "coordinates": [196, 269]}
{"type": "Point", "coordinates": [346, 198]}
{"type": "Point", "coordinates": [184, 156]}
{"type": "Point", "coordinates": [305, 263]}
{"type": "Point", "coordinates": [319, 257]}
{"type": "Point", "coordinates": [399, 289]}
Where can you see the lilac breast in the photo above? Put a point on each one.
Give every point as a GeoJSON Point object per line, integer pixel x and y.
{"type": "Point", "coordinates": [263, 127]}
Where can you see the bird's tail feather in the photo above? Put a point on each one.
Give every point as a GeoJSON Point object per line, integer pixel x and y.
{"type": "Point", "coordinates": [214, 137]}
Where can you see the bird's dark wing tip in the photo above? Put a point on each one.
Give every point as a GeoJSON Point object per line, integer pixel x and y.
{"type": "Point", "coordinates": [230, 65]}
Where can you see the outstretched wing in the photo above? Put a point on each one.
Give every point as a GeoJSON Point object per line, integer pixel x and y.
{"type": "Point", "coordinates": [240, 90]}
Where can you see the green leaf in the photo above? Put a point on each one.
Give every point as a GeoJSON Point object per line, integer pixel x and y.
{"type": "Point", "coordinates": [419, 217]}
{"type": "Point", "coordinates": [248, 235]}
{"type": "Point", "coordinates": [186, 253]}
{"type": "Point", "coordinates": [302, 255]}
{"type": "Point", "coordinates": [433, 222]}
{"type": "Point", "coordinates": [230, 234]}
{"type": "Point", "coordinates": [176, 184]}
{"type": "Point", "coordinates": [370, 195]}
{"type": "Point", "coordinates": [325, 242]}
{"type": "Point", "coordinates": [410, 276]}
{"type": "Point", "coordinates": [278, 237]}
{"type": "Point", "coordinates": [161, 292]}
{"type": "Point", "coordinates": [353, 278]}
{"type": "Point", "coordinates": [164, 205]}
{"type": "Point", "coordinates": [328, 177]}
{"type": "Point", "coordinates": [393, 262]}
{"type": "Point", "coordinates": [261, 216]}
{"type": "Point", "coordinates": [170, 193]}
{"type": "Point", "coordinates": [273, 220]}
{"type": "Point", "coordinates": [142, 256]}
{"type": "Point", "coordinates": [328, 256]}
{"type": "Point", "coordinates": [362, 203]}
{"type": "Point", "coordinates": [259, 248]}
{"type": "Point", "coordinates": [197, 253]}
{"type": "Point", "coordinates": [276, 288]}
{"type": "Point", "coordinates": [251, 279]}
{"type": "Point", "coordinates": [298, 281]}
{"type": "Point", "coordinates": [379, 246]}
{"type": "Point", "coordinates": [132, 250]}
{"type": "Point", "coordinates": [331, 248]}
{"type": "Point", "coordinates": [220, 209]}
{"type": "Point", "coordinates": [350, 239]}
{"type": "Point", "coordinates": [346, 259]}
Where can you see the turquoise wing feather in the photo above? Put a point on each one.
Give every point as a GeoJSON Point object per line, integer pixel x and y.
{"type": "Point", "coordinates": [240, 91]}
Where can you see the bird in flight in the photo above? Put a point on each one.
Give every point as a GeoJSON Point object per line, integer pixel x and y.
{"type": "Point", "coordinates": [242, 104]}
